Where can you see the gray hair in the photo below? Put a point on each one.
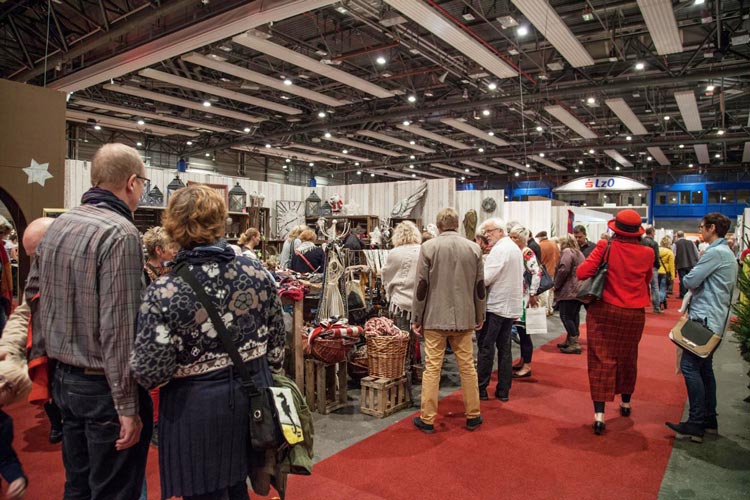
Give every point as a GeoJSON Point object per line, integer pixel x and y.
{"type": "Point", "coordinates": [495, 221]}
{"type": "Point", "coordinates": [518, 231]}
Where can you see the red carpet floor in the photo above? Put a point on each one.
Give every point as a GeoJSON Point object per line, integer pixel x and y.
{"type": "Point", "coordinates": [538, 445]}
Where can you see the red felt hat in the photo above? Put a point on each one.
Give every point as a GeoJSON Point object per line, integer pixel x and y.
{"type": "Point", "coordinates": [627, 223]}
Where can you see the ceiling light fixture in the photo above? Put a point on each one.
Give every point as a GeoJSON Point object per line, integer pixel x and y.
{"type": "Point", "coordinates": [207, 104]}
{"type": "Point", "coordinates": [522, 30]}
{"type": "Point", "coordinates": [380, 60]}
{"type": "Point", "coordinates": [247, 130]}
{"type": "Point", "coordinates": [327, 135]}
{"type": "Point", "coordinates": [321, 114]}
{"type": "Point", "coordinates": [406, 123]}
{"type": "Point", "coordinates": [287, 82]}
{"type": "Point", "coordinates": [492, 85]}
{"type": "Point", "coordinates": [639, 66]}
{"type": "Point", "coordinates": [189, 143]}
{"type": "Point", "coordinates": [412, 98]}
{"type": "Point", "coordinates": [486, 112]}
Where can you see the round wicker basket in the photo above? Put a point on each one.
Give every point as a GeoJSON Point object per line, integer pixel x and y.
{"type": "Point", "coordinates": [386, 355]}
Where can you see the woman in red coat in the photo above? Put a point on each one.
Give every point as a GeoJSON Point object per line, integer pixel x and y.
{"type": "Point", "coordinates": [615, 323]}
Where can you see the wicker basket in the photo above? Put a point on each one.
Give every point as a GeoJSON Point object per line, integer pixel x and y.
{"type": "Point", "coordinates": [386, 355]}
{"type": "Point", "coordinates": [357, 367]}
{"type": "Point", "coordinates": [330, 351]}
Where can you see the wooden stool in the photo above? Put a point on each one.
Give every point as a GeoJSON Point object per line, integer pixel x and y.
{"type": "Point", "coordinates": [325, 385]}
{"type": "Point", "coordinates": [384, 396]}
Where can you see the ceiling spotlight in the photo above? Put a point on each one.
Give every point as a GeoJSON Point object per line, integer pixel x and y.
{"type": "Point", "coordinates": [413, 175]}
{"type": "Point", "coordinates": [141, 122]}
{"type": "Point", "coordinates": [287, 82]}
{"type": "Point", "coordinates": [580, 162]}
{"type": "Point", "coordinates": [717, 155]}
{"type": "Point", "coordinates": [682, 146]}
{"type": "Point", "coordinates": [311, 164]}
{"type": "Point", "coordinates": [639, 66]}
{"type": "Point", "coordinates": [492, 85]}
{"type": "Point", "coordinates": [486, 112]}
{"type": "Point", "coordinates": [372, 174]}
{"type": "Point", "coordinates": [690, 165]}
{"type": "Point", "coordinates": [541, 155]}
{"type": "Point", "coordinates": [516, 174]}
{"type": "Point", "coordinates": [380, 60]}
{"type": "Point", "coordinates": [467, 170]}
{"type": "Point", "coordinates": [591, 151]}
{"type": "Point", "coordinates": [345, 151]}
{"type": "Point", "coordinates": [481, 150]}
{"type": "Point", "coordinates": [356, 163]}
{"type": "Point", "coordinates": [268, 146]}
{"type": "Point", "coordinates": [411, 157]}
{"type": "Point", "coordinates": [97, 127]}
{"type": "Point", "coordinates": [648, 158]}
{"type": "Point", "coordinates": [491, 133]}
{"type": "Point", "coordinates": [463, 179]}
{"type": "Point", "coordinates": [591, 100]}
{"type": "Point", "coordinates": [720, 131]}
{"type": "Point", "coordinates": [699, 2]}
{"type": "Point", "coordinates": [321, 114]}
{"type": "Point", "coordinates": [407, 123]}
{"type": "Point", "coordinates": [539, 128]}
{"type": "Point", "coordinates": [666, 118]}
{"type": "Point", "coordinates": [283, 166]}
{"type": "Point", "coordinates": [412, 142]}
{"type": "Point", "coordinates": [577, 170]}
{"type": "Point", "coordinates": [327, 135]}
{"type": "Point", "coordinates": [628, 138]}
{"type": "Point", "coordinates": [139, 144]}
{"type": "Point", "coordinates": [710, 87]}
{"type": "Point", "coordinates": [412, 98]}
{"type": "Point", "coordinates": [288, 160]}
{"type": "Point", "coordinates": [411, 166]}
{"type": "Point", "coordinates": [247, 130]}
{"type": "Point", "coordinates": [522, 30]}
{"type": "Point", "coordinates": [189, 143]}
{"type": "Point", "coordinates": [207, 104]}
{"type": "Point", "coordinates": [617, 167]}
{"type": "Point", "coordinates": [207, 155]}
{"type": "Point", "coordinates": [359, 172]}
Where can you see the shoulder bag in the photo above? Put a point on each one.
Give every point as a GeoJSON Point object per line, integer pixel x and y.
{"type": "Point", "coordinates": [265, 429]}
{"type": "Point", "coordinates": [591, 289]}
{"type": "Point", "coordinates": [694, 336]}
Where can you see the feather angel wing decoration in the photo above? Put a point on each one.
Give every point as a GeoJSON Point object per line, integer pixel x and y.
{"type": "Point", "coordinates": [404, 207]}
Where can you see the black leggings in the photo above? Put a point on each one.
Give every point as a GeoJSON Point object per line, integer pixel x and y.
{"type": "Point", "coordinates": [527, 347]}
{"type": "Point", "coordinates": [570, 315]}
{"type": "Point", "coordinates": [599, 405]}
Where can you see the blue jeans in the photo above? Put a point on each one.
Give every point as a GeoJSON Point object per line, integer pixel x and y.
{"type": "Point", "coordinates": [662, 288]}
{"type": "Point", "coordinates": [94, 469]}
{"type": "Point", "coordinates": [701, 387]}
{"type": "Point", "coordinates": [495, 334]}
{"type": "Point", "coordinates": [655, 289]}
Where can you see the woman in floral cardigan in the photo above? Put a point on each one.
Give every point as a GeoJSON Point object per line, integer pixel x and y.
{"type": "Point", "coordinates": [520, 235]}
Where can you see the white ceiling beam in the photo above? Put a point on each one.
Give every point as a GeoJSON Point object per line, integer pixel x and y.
{"type": "Point", "coordinates": [433, 136]}
{"type": "Point", "coordinates": [662, 25]}
{"type": "Point", "coordinates": [217, 91]}
{"type": "Point", "coordinates": [429, 174]}
{"type": "Point", "coordinates": [393, 140]}
{"type": "Point", "coordinates": [432, 21]}
{"type": "Point", "coordinates": [214, 29]}
{"type": "Point", "coordinates": [361, 145]}
{"type": "Point", "coordinates": [260, 78]}
{"type": "Point", "coordinates": [548, 23]}
{"type": "Point", "coordinates": [658, 155]}
{"type": "Point", "coordinates": [391, 173]}
{"type": "Point", "coordinates": [746, 153]}
{"type": "Point", "coordinates": [152, 116]}
{"type": "Point", "coordinates": [691, 117]}
{"type": "Point", "coordinates": [155, 96]}
{"type": "Point", "coordinates": [293, 57]}
{"type": "Point", "coordinates": [626, 115]}
{"type": "Point", "coordinates": [618, 157]}
{"type": "Point", "coordinates": [476, 132]}
{"type": "Point", "coordinates": [570, 121]}
{"type": "Point", "coordinates": [129, 125]}
{"type": "Point", "coordinates": [331, 152]}
{"type": "Point", "coordinates": [450, 168]}
{"type": "Point", "coordinates": [549, 163]}
{"type": "Point", "coordinates": [283, 153]}
{"type": "Point", "coordinates": [482, 166]}
{"type": "Point", "coordinates": [514, 164]}
{"type": "Point", "coordinates": [701, 152]}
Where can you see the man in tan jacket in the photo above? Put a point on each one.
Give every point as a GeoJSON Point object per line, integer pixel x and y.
{"type": "Point", "coordinates": [448, 305]}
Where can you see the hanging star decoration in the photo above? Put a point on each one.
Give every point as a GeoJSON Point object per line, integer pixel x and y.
{"type": "Point", "coordinates": [37, 172]}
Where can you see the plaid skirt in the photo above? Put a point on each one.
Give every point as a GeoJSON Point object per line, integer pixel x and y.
{"type": "Point", "coordinates": [613, 334]}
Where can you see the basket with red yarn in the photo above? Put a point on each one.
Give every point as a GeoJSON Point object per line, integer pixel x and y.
{"type": "Point", "coordinates": [386, 348]}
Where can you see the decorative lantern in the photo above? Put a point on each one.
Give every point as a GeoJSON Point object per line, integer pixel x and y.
{"type": "Point", "coordinates": [144, 199]}
{"type": "Point", "coordinates": [237, 198]}
{"type": "Point", "coordinates": [174, 186]}
{"type": "Point", "coordinates": [325, 209]}
{"type": "Point", "coordinates": [155, 197]}
{"type": "Point", "coordinates": [312, 205]}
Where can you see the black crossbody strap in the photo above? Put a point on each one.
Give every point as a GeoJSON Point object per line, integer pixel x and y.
{"type": "Point", "coordinates": [247, 381]}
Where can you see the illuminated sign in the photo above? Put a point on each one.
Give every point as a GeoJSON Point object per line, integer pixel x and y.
{"type": "Point", "coordinates": [601, 183]}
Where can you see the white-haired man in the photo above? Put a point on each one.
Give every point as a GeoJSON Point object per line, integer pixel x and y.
{"type": "Point", "coordinates": [503, 275]}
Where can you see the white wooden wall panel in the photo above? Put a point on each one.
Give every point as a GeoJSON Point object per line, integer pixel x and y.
{"type": "Point", "coordinates": [467, 200]}
{"type": "Point", "coordinates": [534, 215]}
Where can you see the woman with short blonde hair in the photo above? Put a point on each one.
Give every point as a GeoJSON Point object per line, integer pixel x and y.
{"type": "Point", "coordinates": [290, 245]}
{"type": "Point", "coordinates": [178, 349]}
{"type": "Point", "coordinates": [248, 241]}
{"type": "Point", "coordinates": [406, 233]}
{"type": "Point", "coordinates": [159, 250]}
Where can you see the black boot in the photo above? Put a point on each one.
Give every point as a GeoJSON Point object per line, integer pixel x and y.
{"type": "Point", "coordinates": [55, 420]}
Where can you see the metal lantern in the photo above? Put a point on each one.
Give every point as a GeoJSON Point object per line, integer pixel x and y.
{"type": "Point", "coordinates": [312, 205]}
{"type": "Point", "coordinates": [237, 198]}
{"type": "Point", "coordinates": [174, 186]}
{"type": "Point", "coordinates": [155, 197]}
{"type": "Point", "coordinates": [144, 200]}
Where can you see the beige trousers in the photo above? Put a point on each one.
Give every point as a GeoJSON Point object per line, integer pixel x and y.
{"type": "Point", "coordinates": [434, 348]}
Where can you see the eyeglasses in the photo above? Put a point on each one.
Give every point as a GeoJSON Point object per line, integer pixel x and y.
{"type": "Point", "coordinates": [704, 226]}
{"type": "Point", "coordinates": [488, 231]}
{"type": "Point", "coordinates": [144, 179]}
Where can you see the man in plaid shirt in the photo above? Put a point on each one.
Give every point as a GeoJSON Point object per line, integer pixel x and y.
{"type": "Point", "coordinates": [89, 272]}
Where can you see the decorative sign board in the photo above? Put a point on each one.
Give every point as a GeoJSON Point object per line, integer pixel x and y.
{"type": "Point", "coordinates": [601, 183]}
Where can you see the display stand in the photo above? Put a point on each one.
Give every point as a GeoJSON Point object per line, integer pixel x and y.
{"type": "Point", "coordinates": [325, 385]}
{"type": "Point", "coordinates": [295, 362]}
{"type": "Point", "coordinates": [381, 397]}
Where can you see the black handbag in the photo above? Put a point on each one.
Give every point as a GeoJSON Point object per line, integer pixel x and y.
{"type": "Point", "coordinates": [265, 430]}
{"type": "Point", "coordinates": [545, 282]}
{"type": "Point", "coordinates": [591, 289]}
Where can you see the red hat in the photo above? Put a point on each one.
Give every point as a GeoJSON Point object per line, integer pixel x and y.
{"type": "Point", "coordinates": [627, 223]}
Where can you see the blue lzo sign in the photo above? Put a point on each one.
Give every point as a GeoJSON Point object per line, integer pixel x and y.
{"type": "Point", "coordinates": [601, 183]}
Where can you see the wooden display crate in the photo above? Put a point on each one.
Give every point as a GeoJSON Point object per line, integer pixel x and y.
{"type": "Point", "coordinates": [384, 396]}
{"type": "Point", "coordinates": [325, 385]}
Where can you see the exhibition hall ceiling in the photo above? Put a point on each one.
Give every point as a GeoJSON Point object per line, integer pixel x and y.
{"type": "Point", "coordinates": [469, 89]}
